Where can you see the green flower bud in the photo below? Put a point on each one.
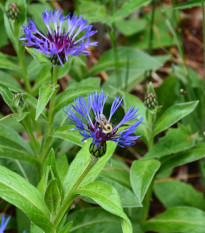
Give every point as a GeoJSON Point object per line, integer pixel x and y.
{"type": "Point", "coordinates": [98, 150]}
{"type": "Point", "coordinates": [151, 101]}
{"type": "Point", "coordinates": [13, 12]}
{"type": "Point", "coordinates": [18, 101]}
{"type": "Point", "coordinates": [55, 61]}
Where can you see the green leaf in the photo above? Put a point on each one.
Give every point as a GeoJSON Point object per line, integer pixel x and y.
{"type": "Point", "coordinates": [141, 175]}
{"type": "Point", "coordinates": [117, 170]}
{"type": "Point", "coordinates": [128, 8]}
{"type": "Point", "coordinates": [127, 197]}
{"type": "Point", "coordinates": [17, 191]}
{"type": "Point", "coordinates": [107, 197]}
{"type": "Point", "coordinates": [52, 196]}
{"type": "Point", "coordinates": [41, 57]}
{"type": "Point", "coordinates": [163, 93]}
{"type": "Point", "coordinates": [13, 136]}
{"type": "Point", "coordinates": [66, 228]}
{"type": "Point", "coordinates": [62, 165]}
{"type": "Point", "coordinates": [13, 153]}
{"type": "Point", "coordinates": [184, 157]}
{"type": "Point", "coordinates": [68, 96]}
{"type": "Point", "coordinates": [45, 93]}
{"type": "Point", "coordinates": [8, 81]}
{"type": "Point", "coordinates": [178, 219]}
{"type": "Point", "coordinates": [175, 140]}
{"type": "Point", "coordinates": [187, 4]}
{"type": "Point", "coordinates": [5, 63]}
{"type": "Point", "coordinates": [98, 167]}
{"type": "Point", "coordinates": [82, 160]}
{"type": "Point", "coordinates": [94, 220]}
{"type": "Point", "coordinates": [35, 229]}
{"type": "Point", "coordinates": [67, 134]}
{"type": "Point", "coordinates": [131, 26]}
{"type": "Point", "coordinates": [173, 114]}
{"type": "Point", "coordinates": [142, 129]}
{"type": "Point", "coordinates": [93, 11]}
{"type": "Point", "coordinates": [6, 95]}
{"type": "Point", "coordinates": [9, 31]}
{"type": "Point", "coordinates": [91, 82]}
{"type": "Point", "coordinates": [50, 166]}
{"type": "Point", "coordinates": [183, 194]}
{"type": "Point", "coordinates": [138, 61]}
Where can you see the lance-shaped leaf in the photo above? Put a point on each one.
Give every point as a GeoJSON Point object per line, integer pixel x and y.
{"type": "Point", "coordinates": [188, 156]}
{"type": "Point", "coordinates": [141, 175]}
{"type": "Point", "coordinates": [183, 194]}
{"type": "Point", "coordinates": [178, 219]}
{"type": "Point", "coordinates": [45, 93]}
{"type": "Point", "coordinates": [94, 219]}
{"type": "Point", "coordinates": [175, 140]}
{"type": "Point", "coordinates": [17, 191]}
{"type": "Point", "coordinates": [173, 114]}
{"type": "Point", "coordinates": [108, 198]}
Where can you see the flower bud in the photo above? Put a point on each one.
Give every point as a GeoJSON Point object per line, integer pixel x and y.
{"type": "Point", "coordinates": [13, 12]}
{"type": "Point", "coordinates": [98, 150]}
{"type": "Point", "coordinates": [55, 61]}
{"type": "Point", "coordinates": [151, 101]}
{"type": "Point", "coordinates": [18, 101]}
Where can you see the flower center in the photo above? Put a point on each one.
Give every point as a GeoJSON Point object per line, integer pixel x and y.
{"type": "Point", "coordinates": [61, 40]}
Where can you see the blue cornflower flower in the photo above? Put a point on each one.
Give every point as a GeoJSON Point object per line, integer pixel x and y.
{"type": "Point", "coordinates": [4, 223]}
{"type": "Point", "coordinates": [101, 129]}
{"type": "Point", "coordinates": [61, 39]}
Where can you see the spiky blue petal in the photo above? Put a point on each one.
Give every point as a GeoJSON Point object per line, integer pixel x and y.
{"type": "Point", "coordinates": [63, 35]}
{"type": "Point", "coordinates": [91, 129]}
{"type": "Point", "coordinates": [4, 223]}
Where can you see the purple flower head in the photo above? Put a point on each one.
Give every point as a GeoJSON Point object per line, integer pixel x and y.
{"type": "Point", "coordinates": [65, 35]}
{"type": "Point", "coordinates": [102, 129]}
{"type": "Point", "coordinates": [4, 223]}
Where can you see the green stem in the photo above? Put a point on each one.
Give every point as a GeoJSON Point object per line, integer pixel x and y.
{"type": "Point", "coordinates": [203, 88]}
{"type": "Point", "coordinates": [23, 67]}
{"type": "Point", "coordinates": [148, 75]}
{"type": "Point", "coordinates": [70, 197]}
{"type": "Point", "coordinates": [146, 203]}
{"type": "Point", "coordinates": [47, 139]}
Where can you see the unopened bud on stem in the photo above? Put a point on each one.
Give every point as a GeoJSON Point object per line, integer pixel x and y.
{"type": "Point", "coordinates": [13, 12]}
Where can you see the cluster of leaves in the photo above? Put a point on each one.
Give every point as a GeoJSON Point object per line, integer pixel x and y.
{"type": "Point", "coordinates": [36, 177]}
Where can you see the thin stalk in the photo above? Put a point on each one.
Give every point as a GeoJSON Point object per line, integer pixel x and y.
{"type": "Point", "coordinates": [23, 68]}
{"type": "Point", "coordinates": [203, 87]}
{"type": "Point", "coordinates": [47, 139]}
{"type": "Point", "coordinates": [146, 203]}
{"type": "Point", "coordinates": [148, 75]}
{"type": "Point", "coordinates": [113, 36]}
{"type": "Point", "coordinates": [70, 197]}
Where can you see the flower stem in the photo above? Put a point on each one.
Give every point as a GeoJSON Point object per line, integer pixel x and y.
{"type": "Point", "coordinates": [146, 203]}
{"type": "Point", "coordinates": [47, 139]}
{"type": "Point", "coordinates": [150, 43]}
{"type": "Point", "coordinates": [69, 198]}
